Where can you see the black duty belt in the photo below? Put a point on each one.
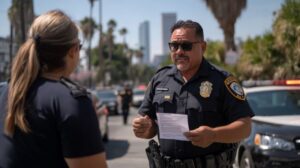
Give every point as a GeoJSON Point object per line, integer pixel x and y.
{"type": "Point", "coordinates": [209, 161]}
{"type": "Point", "coordinates": [221, 160]}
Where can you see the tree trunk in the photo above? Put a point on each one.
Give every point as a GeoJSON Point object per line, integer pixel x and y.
{"type": "Point", "coordinates": [100, 45]}
{"type": "Point", "coordinates": [22, 21]}
{"type": "Point", "coordinates": [228, 31]}
{"type": "Point", "coordinates": [23, 17]}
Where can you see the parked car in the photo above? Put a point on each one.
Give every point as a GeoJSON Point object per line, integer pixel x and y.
{"type": "Point", "coordinates": [275, 135]}
{"type": "Point", "coordinates": [138, 97]}
{"type": "Point", "coordinates": [2, 84]}
{"type": "Point", "coordinates": [102, 114]}
{"type": "Point", "coordinates": [108, 98]}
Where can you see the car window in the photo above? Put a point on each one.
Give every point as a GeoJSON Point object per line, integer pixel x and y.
{"type": "Point", "coordinates": [271, 103]}
{"type": "Point", "coordinates": [139, 92]}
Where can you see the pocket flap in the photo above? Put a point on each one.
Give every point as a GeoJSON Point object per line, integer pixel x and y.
{"type": "Point", "coordinates": [163, 97]}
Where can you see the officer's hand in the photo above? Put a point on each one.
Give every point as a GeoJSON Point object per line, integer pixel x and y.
{"type": "Point", "coordinates": [142, 126]}
{"type": "Point", "coordinates": [202, 136]}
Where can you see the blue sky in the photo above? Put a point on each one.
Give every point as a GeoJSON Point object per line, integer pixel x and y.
{"type": "Point", "coordinates": [255, 20]}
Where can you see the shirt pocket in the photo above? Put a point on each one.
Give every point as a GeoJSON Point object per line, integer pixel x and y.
{"type": "Point", "coordinates": [211, 115]}
{"type": "Point", "coordinates": [195, 113]}
{"type": "Point", "coordinates": [164, 102]}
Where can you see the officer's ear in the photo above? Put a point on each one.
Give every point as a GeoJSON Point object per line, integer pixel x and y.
{"type": "Point", "coordinates": [203, 46]}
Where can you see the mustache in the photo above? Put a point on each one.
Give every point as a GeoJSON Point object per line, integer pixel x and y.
{"type": "Point", "coordinates": [181, 57]}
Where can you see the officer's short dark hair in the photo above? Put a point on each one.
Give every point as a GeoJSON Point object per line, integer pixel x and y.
{"type": "Point", "coordinates": [189, 24]}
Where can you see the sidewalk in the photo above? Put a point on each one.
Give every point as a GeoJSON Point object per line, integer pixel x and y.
{"type": "Point", "coordinates": [124, 150]}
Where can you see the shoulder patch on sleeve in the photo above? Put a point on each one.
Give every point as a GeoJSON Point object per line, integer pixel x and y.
{"type": "Point", "coordinates": [234, 88]}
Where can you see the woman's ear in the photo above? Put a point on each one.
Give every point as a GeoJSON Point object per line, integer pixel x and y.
{"type": "Point", "coordinates": [72, 51]}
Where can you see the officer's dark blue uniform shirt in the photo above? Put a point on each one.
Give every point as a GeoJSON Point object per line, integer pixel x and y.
{"type": "Point", "coordinates": [63, 124]}
{"type": "Point", "coordinates": [211, 97]}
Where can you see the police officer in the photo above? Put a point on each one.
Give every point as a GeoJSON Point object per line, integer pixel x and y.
{"type": "Point", "coordinates": [46, 120]}
{"type": "Point", "coordinates": [126, 99]}
{"type": "Point", "coordinates": [213, 100]}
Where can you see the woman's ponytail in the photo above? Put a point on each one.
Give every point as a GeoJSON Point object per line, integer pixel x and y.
{"type": "Point", "coordinates": [24, 71]}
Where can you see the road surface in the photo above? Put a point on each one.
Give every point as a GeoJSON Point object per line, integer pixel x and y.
{"type": "Point", "coordinates": [124, 150]}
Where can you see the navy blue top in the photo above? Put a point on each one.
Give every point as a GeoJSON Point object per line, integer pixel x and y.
{"type": "Point", "coordinates": [211, 97]}
{"type": "Point", "coordinates": [61, 126]}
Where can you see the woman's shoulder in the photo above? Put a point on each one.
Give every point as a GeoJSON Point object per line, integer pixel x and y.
{"type": "Point", "coordinates": [63, 88]}
{"type": "Point", "coordinates": [75, 89]}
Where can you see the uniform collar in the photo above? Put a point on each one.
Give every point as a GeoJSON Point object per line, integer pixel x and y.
{"type": "Point", "coordinates": [203, 70]}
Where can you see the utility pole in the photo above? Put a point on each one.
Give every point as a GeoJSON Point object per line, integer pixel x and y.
{"type": "Point", "coordinates": [89, 46]}
{"type": "Point", "coordinates": [101, 57]}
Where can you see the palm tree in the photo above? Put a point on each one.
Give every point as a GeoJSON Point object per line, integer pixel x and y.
{"type": "Point", "coordinates": [111, 27]}
{"type": "Point", "coordinates": [139, 53]}
{"type": "Point", "coordinates": [88, 27]}
{"type": "Point", "coordinates": [129, 54]}
{"type": "Point", "coordinates": [123, 33]}
{"type": "Point", "coordinates": [227, 12]}
{"type": "Point", "coordinates": [101, 64]}
{"type": "Point", "coordinates": [20, 21]}
{"type": "Point", "coordinates": [21, 16]}
{"type": "Point", "coordinates": [287, 39]}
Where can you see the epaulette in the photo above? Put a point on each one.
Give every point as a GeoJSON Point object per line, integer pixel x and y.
{"type": "Point", "coordinates": [224, 73]}
{"type": "Point", "coordinates": [76, 90]}
{"type": "Point", "coordinates": [220, 70]}
{"type": "Point", "coordinates": [164, 68]}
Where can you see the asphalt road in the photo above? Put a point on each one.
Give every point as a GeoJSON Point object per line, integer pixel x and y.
{"type": "Point", "coordinates": [124, 150]}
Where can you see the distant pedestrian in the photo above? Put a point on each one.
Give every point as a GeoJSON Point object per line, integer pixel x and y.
{"type": "Point", "coordinates": [126, 99]}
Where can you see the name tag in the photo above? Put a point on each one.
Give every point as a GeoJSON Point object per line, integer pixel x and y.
{"type": "Point", "coordinates": [162, 89]}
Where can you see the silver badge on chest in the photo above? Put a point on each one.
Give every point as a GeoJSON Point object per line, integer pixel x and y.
{"type": "Point", "coordinates": [205, 89]}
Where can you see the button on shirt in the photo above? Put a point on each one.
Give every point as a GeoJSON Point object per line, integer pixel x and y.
{"type": "Point", "coordinates": [204, 98]}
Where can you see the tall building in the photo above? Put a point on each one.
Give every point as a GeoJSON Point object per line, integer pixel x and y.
{"type": "Point", "coordinates": [168, 20]}
{"type": "Point", "coordinates": [158, 59]}
{"type": "Point", "coordinates": [144, 41]}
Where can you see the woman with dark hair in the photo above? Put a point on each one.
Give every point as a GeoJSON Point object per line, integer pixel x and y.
{"type": "Point", "coordinates": [46, 120]}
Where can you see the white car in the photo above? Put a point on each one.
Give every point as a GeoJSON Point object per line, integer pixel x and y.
{"type": "Point", "coordinates": [275, 137]}
{"type": "Point", "coordinates": [138, 97]}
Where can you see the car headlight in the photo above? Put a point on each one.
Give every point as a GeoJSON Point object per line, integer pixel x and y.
{"type": "Point", "coordinates": [266, 142]}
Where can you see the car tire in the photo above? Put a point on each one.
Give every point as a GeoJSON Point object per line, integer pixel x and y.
{"type": "Point", "coordinates": [246, 160]}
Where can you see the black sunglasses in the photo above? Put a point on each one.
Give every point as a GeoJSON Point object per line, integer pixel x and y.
{"type": "Point", "coordinates": [80, 45]}
{"type": "Point", "coordinates": [185, 46]}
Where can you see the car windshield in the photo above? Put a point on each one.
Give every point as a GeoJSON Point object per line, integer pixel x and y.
{"type": "Point", "coordinates": [274, 103]}
{"type": "Point", "coordinates": [106, 94]}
